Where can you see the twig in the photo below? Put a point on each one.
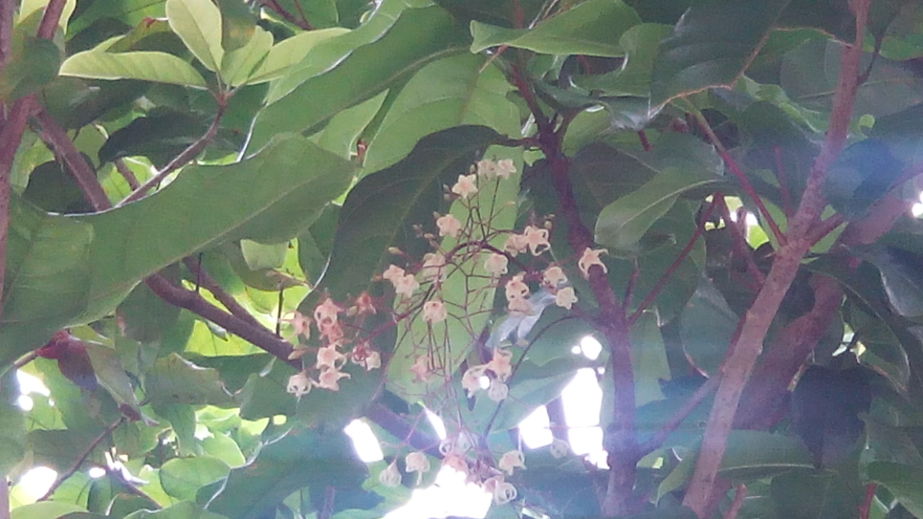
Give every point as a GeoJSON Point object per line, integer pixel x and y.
{"type": "Point", "coordinates": [740, 244]}
{"type": "Point", "coordinates": [289, 17]}
{"type": "Point", "coordinates": [667, 274]}
{"type": "Point", "coordinates": [56, 138]}
{"type": "Point", "coordinates": [227, 300]}
{"type": "Point", "coordinates": [782, 178]}
{"type": "Point", "coordinates": [746, 349]}
{"type": "Point", "coordinates": [127, 173]}
{"type": "Point", "coordinates": [180, 160]}
{"type": "Point", "coordinates": [700, 394]}
{"type": "Point", "coordinates": [741, 176]}
{"type": "Point", "coordinates": [739, 496]}
{"type": "Point", "coordinates": [82, 458]}
{"type": "Point", "coordinates": [645, 144]}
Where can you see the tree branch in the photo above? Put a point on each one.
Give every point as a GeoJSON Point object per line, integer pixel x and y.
{"type": "Point", "coordinates": [82, 458]}
{"type": "Point", "coordinates": [743, 354]}
{"type": "Point", "coordinates": [127, 173]}
{"type": "Point", "coordinates": [56, 138]}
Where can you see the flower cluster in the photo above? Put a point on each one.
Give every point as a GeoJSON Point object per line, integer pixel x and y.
{"type": "Point", "coordinates": [499, 368]}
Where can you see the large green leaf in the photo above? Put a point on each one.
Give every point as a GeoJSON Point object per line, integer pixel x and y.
{"type": "Point", "coordinates": [289, 52]}
{"type": "Point", "coordinates": [591, 28]}
{"type": "Point", "coordinates": [418, 37]}
{"type": "Point", "coordinates": [801, 495]}
{"type": "Point", "coordinates": [623, 223]}
{"type": "Point", "coordinates": [108, 253]}
{"type": "Point", "coordinates": [449, 92]}
{"type": "Point", "coordinates": [183, 477]}
{"type": "Point", "coordinates": [707, 327]}
{"type": "Point", "coordinates": [902, 279]}
{"type": "Point", "coordinates": [34, 62]}
{"type": "Point", "coordinates": [302, 458]}
{"type": "Point", "coordinates": [640, 44]}
{"type": "Point", "coordinates": [175, 380]}
{"type": "Point", "coordinates": [238, 65]}
{"type": "Point", "coordinates": [198, 24]}
{"type": "Point", "coordinates": [144, 65]}
{"type": "Point", "coordinates": [712, 45]}
{"type": "Point", "coordinates": [382, 208]}
{"type": "Point", "coordinates": [182, 510]}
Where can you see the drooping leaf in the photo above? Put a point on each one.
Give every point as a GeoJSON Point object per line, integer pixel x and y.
{"type": "Point", "coordinates": [143, 65]}
{"type": "Point", "coordinates": [198, 23]}
{"type": "Point", "coordinates": [711, 46]}
{"type": "Point", "coordinates": [707, 326]}
{"type": "Point", "coordinates": [640, 44]}
{"type": "Point", "coordinates": [591, 28]}
{"type": "Point", "coordinates": [904, 481]}
{"type": "Point", "coordinates": [418, 37]}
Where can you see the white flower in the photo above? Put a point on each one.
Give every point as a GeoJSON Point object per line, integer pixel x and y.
{"type": "Point", "coordinates": [500, 364]}
{"type": "Point", "coordinates": [486, 168]}
{"type": "Point", "coordinates": [456, 461]}
{"type": "Point", "coordinates": [496, 264]}
{"type": "Point", "coordinates": [329, 379]}
{"type": "Point", "coordinates": [392, 273]}
{"type": "Point", "coordinates": [390, 477]}
{"type": "Point", "coordinates": [434, 311]}
{"type": "Point", "coordinates": [516, 288]}
{"type": "Point", "coordinates": [433, 266]}
{"type": "Point", "coordinates": [565, 297]}
{"type": "Point", "coordinates": [420, 368]}
{"type": "Point", "coordinates": [554, 276]}
{"type": "Point", "coordinates": [471, 380]}
{"type": "Point", "coordinates": [465, 186]}
{"type": "Point", "coordinates": [511, 461]}
{"type": "Point", "coordinates": [329, 357]}
{"type": "Point", "coordinates": [498, 391]}
{"type": "Point", "coordinates": [536, 239]}
{"type": "Point", "coordinates": [417, 462]}
{"type": "Point", "coordinates": [300, 384]}
{"type": "Point", "coordinates": [372, 361]}
{"type": "Point", "coordinates": [405, 285]}
{"type": "Point", "coordinates": [515, 243]}
{"type": "Point", "coordinates": [301, 324]}
{"type": "Point", "coordinates": [448, 225]}
{"type": "Point", "coordinates": [504, 168]}
{"type": "Point", "coordinates": [520, 306]}
{"type": "Point", "coordinates": [589, 258]}
{"type": "Point", "coordinates": [559, 448]}
{"type": "Point", "coordinates": [502, 491]}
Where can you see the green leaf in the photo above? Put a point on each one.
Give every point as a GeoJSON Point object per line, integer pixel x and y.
{"type": "Point", "coordinates": [49, 289]}
{"type": "Point", "coordinates": [45, 510]}
{"type": "Point", "coordinates": [592, 28]}
{"type": "Point", "coordinates": [902, 279]}
{"type": "Point", "coordinates": [801, 495]}
{"type": "Point", "coordinates": [12, 436]}
{"type": "Point", "coordinates": [302, 458]}
{"type": "Point", "coordinates": [622, 224]}
{"type": "Point", "coordinates": [649, 359]}
{"type": "Point", "coordinates": [237, 24]}
{"type": "Point", "coordinates": [145, 317]}
{"type": "Point", "coordinates": [34, 63]}
{"type": "Point", "coordinates": [341, 135]}
{"type": "Point", "coordinates": [111, 375]}
{"type": "Point", "coordinates": [198, 24]}
{"type": "Point", "coordinates": [449, 92]}
{"type": "Point", "coordinates": [640, 44]}
{"type": "Point", "coordinates": [238, 65]}
{"type": "Point", "coordinates": [259, 256]}
{"type": "Point", "coordinates": [175, 380]}
{"type": "Point", "coordinates": [904, 481]}
{"type": "Point", "coordinates": [418, 37]}
{"type": "Point", "coordinates": [184, 510]}
{"type": "Point", "coordinates": [381, 209]}
{"type": "Point", "coordinates": [707, 326]}
{"type": "Point", "coordinates": [147, 66]}
{"type": "Point", "coordinates": [129, 12]}
{"type": "Point", "coordinates": [711, 46]}
{"type": "Point", "coordinates": [183, 477]}
{"type": "Point", "coordinates": [291, 51]}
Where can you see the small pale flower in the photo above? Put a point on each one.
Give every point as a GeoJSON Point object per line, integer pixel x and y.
{"type": "Point", "coordinates": [498, 391]}
{"type": "Point", "coordinates": [392, 273]}
{"type": "Point", "coordinates": [465, 186]}
{"type": "Point", "coordinates": [565, 297]}
{"type": "Point", "coordinates": [511, 460]}
{"type": "Point", "coordinates": [390, 477]}
{"type": "Point", "coordinates": [536, 239]}
{"type": "Point", "coordinates": [501, 491]}
{"type": "Point", "coordinates": [417, 462]}
{"type": "Point", "coordinates": [433, 266]}
{"type": "Point", "coordinates": [496, 264]}
{"type": "Point", "coordinates": [554, 276]}
{"type": "Point", "coordinates": [448, 225]}
{"type": "Point", "coordinates": [520, 306]}
{"type": "Point", "coordinates": [298, 352]}
{"type": "Point", "coordinates": [500, 364]}
{"type": "Point", "coordinates": [329, 357]}
{"type": "Point", "coordinates": [589, 258]}
{"type": "Point", "coordinates": [456, 461]}
{"type": "Point", "coordinates": [486, 168]}
{"type": "Point", "coordinates": [504, 168]}
{"type": "Point", "coordinates": [471, 380]}
{"type": "Point", "coordinates": [373, 361]}
{"type": "Point", "coordinates": [300, 384]}
{"type": "Point", "coordinates": [515, 243]}
{"type": "Point", "coordinates": [326, 313]}
{"type": "Point", "coordinates": [364, 305]}
{"type": "Point", "coordinates": [421, 369]}
{"type": "Point", "coordinates": [559, 448]}
{"type": "Point", "coordinates": [332, 332]}
{"type": "Point", "coordinates": [434, 311]}
{"type": "Point", "coordinates": [405, 285]}
{"type": "Point", "coordinates": [516, 288]}
{"type": "Point", "coordinates": [329, 379]}
{"type": "Point", "coordinates": [301, 324]}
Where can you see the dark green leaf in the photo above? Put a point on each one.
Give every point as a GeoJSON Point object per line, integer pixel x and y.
{"type": "Point", "coordinates": [707, 326]}
{"type": "Point", "coordinates": [801, 495]}
{"type": "Point", "coordinates": [182, 477]}
{"type": "Point", "coordinates": [175, 380]}
{"type": "Point", "coordinates": [904, 481]}
{"type": "Point", "coordinates": [34, 63]}
{"type": "Point", "coordinates": [237, 24]}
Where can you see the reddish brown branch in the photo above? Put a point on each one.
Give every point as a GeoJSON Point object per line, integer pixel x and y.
{"type": "Point", "coordinates": [782, 178]}
{"type": "Point", "coordinates": [743, 354]}
{"type": "Point", "coordinates": [866, 507]}
{"type": "Point", "coordinates": [127, 174]}
{"type": "Point", "coordinates": [56, 139]}
{"type": "Point", "coordinates": [82, 458]}
{"type": "Point", "coordinates": [740, 244]}
{"type": "Point", "coordinates": [301, 20]}
{"type": "Point", "coordinates": [739, 495]}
